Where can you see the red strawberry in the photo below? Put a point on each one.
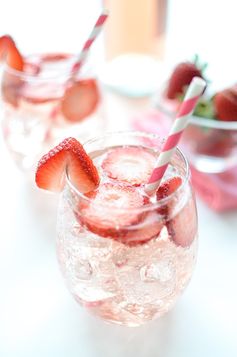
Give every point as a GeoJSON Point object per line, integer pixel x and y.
{"type": "Point", "coordinates": [55, 57]}
{"type": "Point", "coordinates": [225, 103]}
{"type": "Point", "coordinates": [147, 229]}
{"type": "Point", "coordinates": [218, 143]}
{"type": "Point", "coordinates": [11, 88]}
{"type": "Point", "coordinates": [183, 226]}
{"type": "Point", "coordinates": [4, 44]}
{"type": "Point", "coordinates": [68, 155]}
{"type": "Point", "coordinates": [11, 83]}
{"type": "Point", "coordinates": [168, 187]}
{"type": "Point", "coordinates": [180, 78]}
{"type": "Point", "coordinates": [9, 50]}
{"type": "Point", "coordinates": [80, 100]}
{"type": "Point", "coordinates": [130, 164]}
{"type": "Point", "coordinates": [109, 211]}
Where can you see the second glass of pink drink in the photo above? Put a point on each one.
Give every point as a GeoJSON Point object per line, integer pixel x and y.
{"type": "Point", "coordinates": [40, 106]}
{"type": "Point", "coordinates": [125, 256]}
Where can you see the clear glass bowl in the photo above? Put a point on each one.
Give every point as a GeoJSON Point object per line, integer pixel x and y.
{"type": "Point", "coordinates": [136, 273]}
{"type": "Point", "coordinates": [210, 145]}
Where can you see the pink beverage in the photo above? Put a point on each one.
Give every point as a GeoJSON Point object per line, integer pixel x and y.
{"type": "Point", "coordinates": [41, 105]}
{"type": "Point", "coordinates": [125, 256]}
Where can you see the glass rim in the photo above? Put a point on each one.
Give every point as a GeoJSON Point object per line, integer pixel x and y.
{"type": "Point", "coordinates": [213, 123]}
{"type": "Point", "coordinates": [66, 73]}
{"type": "Point", "coordinates": [149, 206]}
{"type": "Point", "coordinates": [199, 121]}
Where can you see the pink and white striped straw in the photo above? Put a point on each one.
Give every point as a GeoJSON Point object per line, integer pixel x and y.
{"type": "Point", "coordinates": [93, 35]}
{"type": "Point", "coordinates": [187, 107]}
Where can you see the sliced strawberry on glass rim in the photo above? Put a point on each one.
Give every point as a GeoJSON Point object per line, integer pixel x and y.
{"type": "Point", "coordinates": [80, 100]}
{"type": "Point", "coordinates": [68, 155]}
{"type": "Point", "coordinates": [130, 164]}
{"type": "Point", "coordinates": [4, 44]}
{"type": "Point", "coordinates": [11, 82]}
{"type": "Point", "coordinates": [111, 209]}
{"type": "Point", "coordinates": [10, 52]}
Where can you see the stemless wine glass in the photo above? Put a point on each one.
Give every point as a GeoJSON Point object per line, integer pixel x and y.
{"type": "Point", "coordinates": [137, 274]}
{"type": "Point", "coordinates": [35, 113]}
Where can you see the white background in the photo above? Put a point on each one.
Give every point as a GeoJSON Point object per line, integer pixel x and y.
{"type": "Point", "coordinates": [38, 317]}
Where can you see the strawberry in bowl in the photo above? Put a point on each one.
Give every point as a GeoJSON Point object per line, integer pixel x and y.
{"type": "Point", "coordinates": [210, 140]}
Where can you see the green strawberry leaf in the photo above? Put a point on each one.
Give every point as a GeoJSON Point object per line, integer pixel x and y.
{"type": "Point", "coordinates": [205, 109]}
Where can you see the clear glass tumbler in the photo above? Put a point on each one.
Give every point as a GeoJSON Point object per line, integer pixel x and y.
{"type": "Point", "coordinates": [36, 112]}
{"type": "Point", "coordinates": [136, 274]}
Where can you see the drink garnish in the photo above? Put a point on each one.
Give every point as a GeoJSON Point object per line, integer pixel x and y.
{"type": "Point", "coordinates": [129, 164]}
{"type": "Point", "coordinates": [80, 100]}
{"type": "Point", "coordinates": [10, 53]}
{"type": "Point", "coordinates": [109, 212]}
{"type": "Point", "coordinates": [181, 227]}
{"type": "Point", "coordinates": [68, 155]}
{"type": "Point", "coordinates": [166, 189]}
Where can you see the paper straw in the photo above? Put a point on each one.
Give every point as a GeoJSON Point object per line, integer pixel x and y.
{"type": "Point", "coordinates": [187, 107]}
{"type": "Point", "coordinates": [93, 35]}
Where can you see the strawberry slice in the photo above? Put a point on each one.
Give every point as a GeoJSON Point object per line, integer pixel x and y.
{"type": "Point", "coordinates": [55, 57]}
{"type": "Point", "coordinates": [11, 88]}
{"type": "Point", "coordinates": [109, 212]}
{"type": "Point", "coordinates": [80, 100]}
{"type": "Point", "coordinates": [183, 226]}
{"type": "Point", "coordinates": [4, 44]}
{"type": "Point", "coordinates": [68, 155]}
{"type": "Point", "coordinates": [9, 50]}
{"type": "Point", "coordinates": [129, 164]}
{"type": "Point", "coordinates": [11, 83]}
{"type": "Point", "coordinates": [147, 229]}
{"type": "Point", "coordinates": [168, 187]}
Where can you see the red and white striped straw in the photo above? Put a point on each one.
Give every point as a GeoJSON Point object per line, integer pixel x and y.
{"type": "Point", "coordinates": [187, 107]}
{"type": "Point", "coordinates": [93, 35]}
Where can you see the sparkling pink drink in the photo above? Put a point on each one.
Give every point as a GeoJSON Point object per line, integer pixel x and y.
{"type": "Point", "coordinates": [40, 105]}
{"type": "Point", "coordinates": [124, 255]}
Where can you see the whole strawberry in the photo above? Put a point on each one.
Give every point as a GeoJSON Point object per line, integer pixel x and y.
{"type": "Point", "coordinates": [180, 78]}
{"type": "Point", "coordinates": [225, 103]}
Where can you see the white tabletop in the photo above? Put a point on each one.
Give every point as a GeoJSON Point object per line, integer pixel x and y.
{"type": "Point", "coordinates": [38, 317]}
